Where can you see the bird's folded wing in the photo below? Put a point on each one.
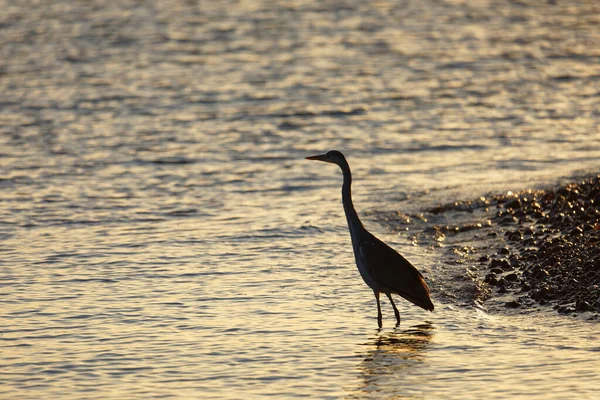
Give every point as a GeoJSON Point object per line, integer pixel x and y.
{"type": "Point", "coordinates": [389, 269]}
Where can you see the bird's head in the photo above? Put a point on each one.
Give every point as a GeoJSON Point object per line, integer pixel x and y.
{"type": "Point", "coordinates": [333, 156]}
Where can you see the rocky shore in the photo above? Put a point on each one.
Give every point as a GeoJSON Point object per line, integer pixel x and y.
{"type": "Point", "coordinates": [553, 247]}
{"type": "Point", "coordinates": [534, 248]}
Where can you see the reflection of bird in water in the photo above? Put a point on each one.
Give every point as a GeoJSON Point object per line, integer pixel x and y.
{"type": "Point", "coordinates": [381, 267]}
{"type": "Point", "coordinates": [414, 338]}
{"type": "Point", "coordinates": [390, 355]}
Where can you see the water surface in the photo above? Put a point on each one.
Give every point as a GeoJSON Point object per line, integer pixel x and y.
{"type": "Point", "coordinates": [163, 236]}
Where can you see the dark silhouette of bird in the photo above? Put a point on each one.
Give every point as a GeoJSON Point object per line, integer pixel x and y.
{"type": "Point", "coordinates": [381, 267]}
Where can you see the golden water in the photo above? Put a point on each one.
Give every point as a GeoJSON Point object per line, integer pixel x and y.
{"type": "Point", "coordinates": [162, 235]}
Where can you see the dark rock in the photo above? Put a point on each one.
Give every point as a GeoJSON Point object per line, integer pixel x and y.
{"type": "Point", "coordinates": [491, 279]}
{"type": "Point", "coordinates": [512, 277]}
{"type": "Point", "coordinates": [514, 203]}
{"type": "Point", "coordinates": [541, 274]}
{"type": "Point", "coordinates": [500, 263]}
{"type": "Point", "coordinates": [513, 236]}
{"type": "Point", "coordinates": [582, 305]}
{"type": "Point", "coordinates": [512, 304]}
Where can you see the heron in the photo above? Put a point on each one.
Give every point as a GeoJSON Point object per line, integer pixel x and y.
{"type": "Point", "coordinates": [382, 268]}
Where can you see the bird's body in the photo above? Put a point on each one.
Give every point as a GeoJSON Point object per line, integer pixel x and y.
{"type": "Point", "coordinates": [381, 267]}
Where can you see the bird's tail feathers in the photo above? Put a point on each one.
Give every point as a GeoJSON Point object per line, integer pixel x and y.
{"type": "Point", "coordinates": [420, 297]}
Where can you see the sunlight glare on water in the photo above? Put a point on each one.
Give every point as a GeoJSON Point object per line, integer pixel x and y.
{"type": "Point", "coordinates": [161, 234]}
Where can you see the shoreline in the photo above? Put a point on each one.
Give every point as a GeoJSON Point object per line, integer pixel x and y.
{"type": "Point", "coordinates": [521, 251]}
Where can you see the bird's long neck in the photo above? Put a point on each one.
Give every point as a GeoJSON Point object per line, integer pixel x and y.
{"type": "Point", "coordinates": [353, 221]}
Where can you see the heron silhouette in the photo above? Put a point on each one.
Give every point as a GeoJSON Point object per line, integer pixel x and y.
{"type": "Point", "coordinates": [382, 268]}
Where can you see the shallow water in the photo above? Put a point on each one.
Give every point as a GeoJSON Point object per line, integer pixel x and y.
{"type": "Point", "coordinates": [163, 236]}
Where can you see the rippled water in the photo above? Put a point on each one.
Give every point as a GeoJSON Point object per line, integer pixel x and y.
{"type": "Point", "coordinates": [162, 235]}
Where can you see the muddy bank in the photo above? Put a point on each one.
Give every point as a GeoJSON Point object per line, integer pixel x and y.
{"type": "Point", "coordinates": [522, 250]}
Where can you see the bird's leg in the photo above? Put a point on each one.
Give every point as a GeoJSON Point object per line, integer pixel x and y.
{"type": "Point", "coordinates": [379, 317]}
{"type": "Point", "coordinates": [395, 309]}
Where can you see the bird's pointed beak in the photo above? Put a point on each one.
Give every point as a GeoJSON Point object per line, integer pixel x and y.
{"type": "Point", "coordinates": [320, 157]}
